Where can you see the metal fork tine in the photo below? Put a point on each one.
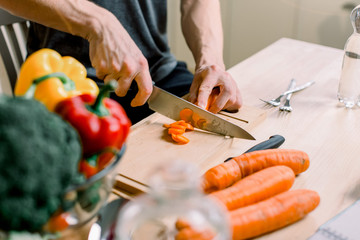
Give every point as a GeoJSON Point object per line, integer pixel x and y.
{"type": "Point", "coordinates": [276, 101]}
{"type": "Point", "coordinates": [286, 107]}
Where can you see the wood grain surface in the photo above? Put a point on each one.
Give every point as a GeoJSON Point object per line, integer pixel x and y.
{"type": "Point", "coordinates": [318, 125]}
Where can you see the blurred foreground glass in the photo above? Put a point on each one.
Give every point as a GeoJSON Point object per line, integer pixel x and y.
{"type": "Point", "coordinates": [349, 86]}
{"type": "Point", "coordinates": [173, 207]}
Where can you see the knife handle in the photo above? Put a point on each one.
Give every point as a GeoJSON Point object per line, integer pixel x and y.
{"type": "Point", "coordinates": [274, 141]}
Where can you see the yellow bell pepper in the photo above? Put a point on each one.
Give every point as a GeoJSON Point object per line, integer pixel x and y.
{"type": "Point", "coordinates": [51, 78]}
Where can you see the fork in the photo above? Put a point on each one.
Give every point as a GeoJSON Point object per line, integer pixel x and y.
{"type": "Point", "coordinates": [286, 107]}
{"type": "Point", "coordinates": [276, 101]}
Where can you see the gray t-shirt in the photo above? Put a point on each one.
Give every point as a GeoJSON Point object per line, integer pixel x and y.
{"type": "Point", "coordinates": [144, 20]}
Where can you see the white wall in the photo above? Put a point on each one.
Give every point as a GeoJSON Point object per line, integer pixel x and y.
{"type": "Point", "coordinates": [251, 25]}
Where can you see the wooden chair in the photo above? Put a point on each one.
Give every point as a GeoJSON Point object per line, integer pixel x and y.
{"type": "Point", "coordinates": [12, 43]}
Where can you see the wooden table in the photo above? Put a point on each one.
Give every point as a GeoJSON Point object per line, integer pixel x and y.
{"type": "Point", "coordinates": [329, 133]}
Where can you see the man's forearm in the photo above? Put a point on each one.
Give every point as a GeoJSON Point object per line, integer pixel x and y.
{"type": "Point", "coordinates": [77, 17]}
{"type": "Point", "coordinates": [202, 29]}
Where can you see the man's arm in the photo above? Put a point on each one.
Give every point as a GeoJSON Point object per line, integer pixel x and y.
{"type": "Point", "coordinates": [113, 53]}
{"type": "Point", "coordinates": [202, 29]}
{"type": "Point", "coordinates": [75, 17]}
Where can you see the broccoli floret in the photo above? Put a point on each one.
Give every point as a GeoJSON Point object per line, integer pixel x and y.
{"type": "Point", "coordinates": [39, 155]}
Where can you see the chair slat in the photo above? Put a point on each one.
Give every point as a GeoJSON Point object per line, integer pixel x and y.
{"type": "Point", "coordinates": [7, 59]}
{"type": "Point", "coordinates": [14, 45]}
{"type": "Point", "coordinates": [12, 40]}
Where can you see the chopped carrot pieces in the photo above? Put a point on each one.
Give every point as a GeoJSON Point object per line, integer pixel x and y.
{"type": "Point", "coordinates": [178, 122]}
{"type": "Point", "coordinates": [186, 114]}
{"type": "Point", "coordinates": [182, 223]}
{"type": "Point", "coordinates": [198, 121]}
{"type": "Point", "coordinates": [201, 123]}
{"type": "Point", "coordinates": [178, 126]}
{"type": "Point", "coordinates": [195, 234]}
{"type": "Point", "coordinates": [176, 131]}
{"type": "Point", "coordinates": [180, 138]}
{"type": "Point", "coordinates": [187, 125]}
{"type": "Point", "coordinates": [166, 125]}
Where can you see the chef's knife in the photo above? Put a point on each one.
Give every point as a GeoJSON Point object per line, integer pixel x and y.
{"type": "Point", "coordinates": [170, 105]}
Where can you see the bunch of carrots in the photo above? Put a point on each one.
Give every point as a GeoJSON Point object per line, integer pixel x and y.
{"type": "Point", "coordinates": [255, 189]}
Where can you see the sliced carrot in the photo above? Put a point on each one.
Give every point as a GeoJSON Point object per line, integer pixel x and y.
{"type": "Point", "coordinates": [226, 174]}
{"type": "Point", "coordinates": [180, 139]}
{"type": "Point", "coordinates": [177, 122]}
{"type": "Point", "coordinates": [187, 125]}
{"type": "Point", "coordinates": [197, 121]}
{"type": "Point", "coordinates": [178, 126]}
{"type": "Point", "coordinates": [186, 114]}
{"type": "Point", "coordinates": [256, 187]}
{"type": "Point", "coordinates": [176, 131]}
{"type": "Point", "coordinates": [190, 233]}
{"type": "Point", "coordinates": [273, 213]}
{"type": "Point", "coordinates": [201, 123]}
{"type": "Point", "coordinates": [182, 223]}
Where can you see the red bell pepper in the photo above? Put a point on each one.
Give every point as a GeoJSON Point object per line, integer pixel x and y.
{"type": "Point", "coordinates": [100, 121]}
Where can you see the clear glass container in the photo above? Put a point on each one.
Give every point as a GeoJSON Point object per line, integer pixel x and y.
{"type": "Point", "coordinates": [349, 86]}
{"type": "Point", "coordinates": [174, 199]}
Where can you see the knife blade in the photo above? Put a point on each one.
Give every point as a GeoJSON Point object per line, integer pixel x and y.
{"type": "Point", "coordinates": [170, 106]}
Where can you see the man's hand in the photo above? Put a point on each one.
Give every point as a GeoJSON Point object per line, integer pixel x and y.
{"type": "Point", "coordinates": [114, 55]}
{"type": "Point", "coordinates": [202, 28]}
{"type": "Point", "coordinates": [208, 77]}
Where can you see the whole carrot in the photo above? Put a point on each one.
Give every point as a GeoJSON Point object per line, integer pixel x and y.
{"type": "Point", "coordinates": [273, 213]}
{"type": "Point", "coordinates": [227, 173]}
{"type": "Point", "coordinates": [256, 187]}
{"type": "Point", "coordinates": [221, 176]}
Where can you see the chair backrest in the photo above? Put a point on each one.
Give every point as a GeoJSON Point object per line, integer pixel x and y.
{"type": "Point", "coordinates": [12, 43]}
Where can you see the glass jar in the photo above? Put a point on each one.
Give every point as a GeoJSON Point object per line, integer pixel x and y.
{"type": "Point", "coordinates": [349, 86]}
{"type": "Point", "coordinates": [174, 203]}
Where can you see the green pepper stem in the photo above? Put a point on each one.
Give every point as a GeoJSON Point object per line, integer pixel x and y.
{"type": "Point", "coordinates": [98, 107]}
{"type": "Point", "coordinates": [92, 160]}
{"type": "Point", "coordinates": [66, 81]}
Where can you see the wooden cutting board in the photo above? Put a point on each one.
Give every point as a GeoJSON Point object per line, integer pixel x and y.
{"type": "Point", "coordinates": [149, 145]}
